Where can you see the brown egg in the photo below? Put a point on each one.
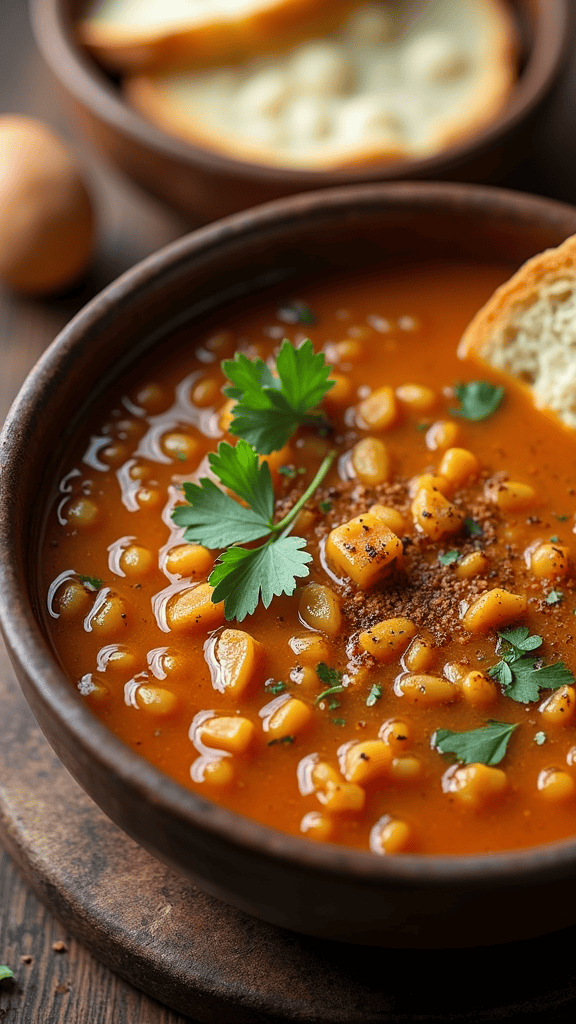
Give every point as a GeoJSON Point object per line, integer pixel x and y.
{"type": "Point", "coordinates": [46, 220]}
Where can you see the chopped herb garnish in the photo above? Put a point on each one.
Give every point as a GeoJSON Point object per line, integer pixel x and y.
{"type": "Point", "coordinates": [243, 576]}
{"type": "Point", "coordinates": [181, 456]}
{"type": "Point", "coordinates": [331, 678]}
{"type": "Point", "coordinates": [473, 529]}
{"type": "Point", "coordinates": [486, 745]}
{"type": "Point", "coordinates": [275, 687]}
{"type": "Point", "coordinates": [328, 676]}
{"type": "Point", "coordinates": [448, 557]}
{"type": "Point", "coordinates": [561, 519]}
{"type": "Point", "coordinates": [478, 399]}
{"type": "Point", "coordinates": [296, 312]}
{"type": "Point", "coordinates": [421, 427]}
{"type": "Point", "coordinates": [540, 738]}
{"type": "Point", "coordinates": [92, 582]}
{"type": "Point", "coordinates": [5, 972]}
{"type": "Point", "coordinates": [374, 695]}
{"type": "Point", "coordinates": [339, 721]}
{"type": "Point", "coordinates": [325, 506]}
{"type": "Point", "coordinates": [555, 597]}
{"type": "Point", "coordinates": [326, 693]}
{"type": "Point", "coordinates": [554, 539]}
{"type": "Point", "coordinates": [281, 739]}
{"type": "Point", "coordinates": [291, 471]}
{"type": "Point", "coordinates": [521, 675]}
{"type": "Point", "coordinates": [333, 705]}
{"type": "Point", "coordinates": [271, 405]}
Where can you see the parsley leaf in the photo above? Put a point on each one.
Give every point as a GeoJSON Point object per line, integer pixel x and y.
{"type": "Point", "coordinates": [5, 972]}
{"type": "Point", "coordinates": [448, 557]}
{"type": "Point", "coordinates": [244, 576]}
{"type": "Point", "coordinates": [296, 312]}
{"type": "Point", "coordinates": [275, 687]}
{"type": "Point", "coordinates": [555, 597]}
{"type": "Point", "coordinates": [328, 676]}
{"type": "Point", "coordinates": [374, 695]}
{"type": "Point", "coordinates": [270, 407]}
{"type": "Point", "coordinates": [339, 721]}
{"type": "Point", "coordinates": [528, 680]}
{"type": "Point", "coordinates": [280, 739]}
{"type": "Point", "coordinates": [291, 471]}
{"type": "Point", "coordinates": [517, 642]}
{"type": "Point", "coordinates": [92, 582]}
{"type": "Point", "coordinates": [478, 399]}
{"type": "Point", "coordinates": [486, 745]}
{"type": "Point", "coordinates": [521, 676]}
{"type": "Point", "coordinates": [473, 529]}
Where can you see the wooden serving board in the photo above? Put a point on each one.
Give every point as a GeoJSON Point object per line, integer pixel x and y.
{"type": "Point", "coordinates": [216, 964]}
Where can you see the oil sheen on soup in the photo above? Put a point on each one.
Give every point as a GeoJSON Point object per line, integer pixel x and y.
{"type": "Point", "coordinates": [415, 693]}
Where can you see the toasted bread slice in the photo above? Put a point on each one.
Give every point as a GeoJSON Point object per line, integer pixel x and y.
{"type": "Point", "coordinates": [137, 34]}
{"type": "Point", "coordinates": [528, 330]}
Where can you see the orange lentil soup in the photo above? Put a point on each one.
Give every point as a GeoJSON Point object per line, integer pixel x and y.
{"type": "Point", "coordinates": [431, 534]}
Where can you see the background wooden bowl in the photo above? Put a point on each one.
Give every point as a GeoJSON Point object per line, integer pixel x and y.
{"type": "Point", "coordinates": [325, 890]}
{"type": "Point", "coordinates": [204, 185]}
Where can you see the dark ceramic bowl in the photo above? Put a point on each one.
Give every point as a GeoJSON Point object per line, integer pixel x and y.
{"type": "Point", "coordinates": [315, 888]}
{"type": "Point", "coordinates": [204, 185]}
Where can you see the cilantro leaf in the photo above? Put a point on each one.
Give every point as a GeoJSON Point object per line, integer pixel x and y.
{"type": "Point", "coordinates": [242, 577]}
{"type": "Point", "coordinates": [448, 557]}
{"type": "Point", "coordinates": [486, 745]}
{"type": "Point", "coordinates": [269, 407]}
{"type": "Point", "coordinates": [5, 972]}
{"type": "Point", "coordinates": [478, 399]}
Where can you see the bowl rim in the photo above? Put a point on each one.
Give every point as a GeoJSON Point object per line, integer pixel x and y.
{"type": "Point", "coordinates": [30, 650]}
{"type": "Point", "coordinates": [82, 77]}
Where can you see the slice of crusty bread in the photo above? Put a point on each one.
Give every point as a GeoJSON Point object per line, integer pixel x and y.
{"type": "Point", "coordinates": [528, 329]}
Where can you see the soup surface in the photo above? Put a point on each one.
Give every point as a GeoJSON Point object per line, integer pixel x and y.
{"type": "Point", "coordinates": [379, 705]}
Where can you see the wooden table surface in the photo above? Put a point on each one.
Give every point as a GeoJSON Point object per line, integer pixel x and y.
{"type": "Point", "coordinates": [56, 980]}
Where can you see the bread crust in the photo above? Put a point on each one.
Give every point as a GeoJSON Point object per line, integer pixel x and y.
{"type": "Point", "coordinates": [527, 331]}
{"type": "Point", "coordinates": [487, 330]}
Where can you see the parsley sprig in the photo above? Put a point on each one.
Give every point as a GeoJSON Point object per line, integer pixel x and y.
{"type": "Point", "coordinates": [270, 406]}
{"type": "Point", "coordinates": [521, 674]}
{"type": "Point", "coordinates": [243, 576]}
